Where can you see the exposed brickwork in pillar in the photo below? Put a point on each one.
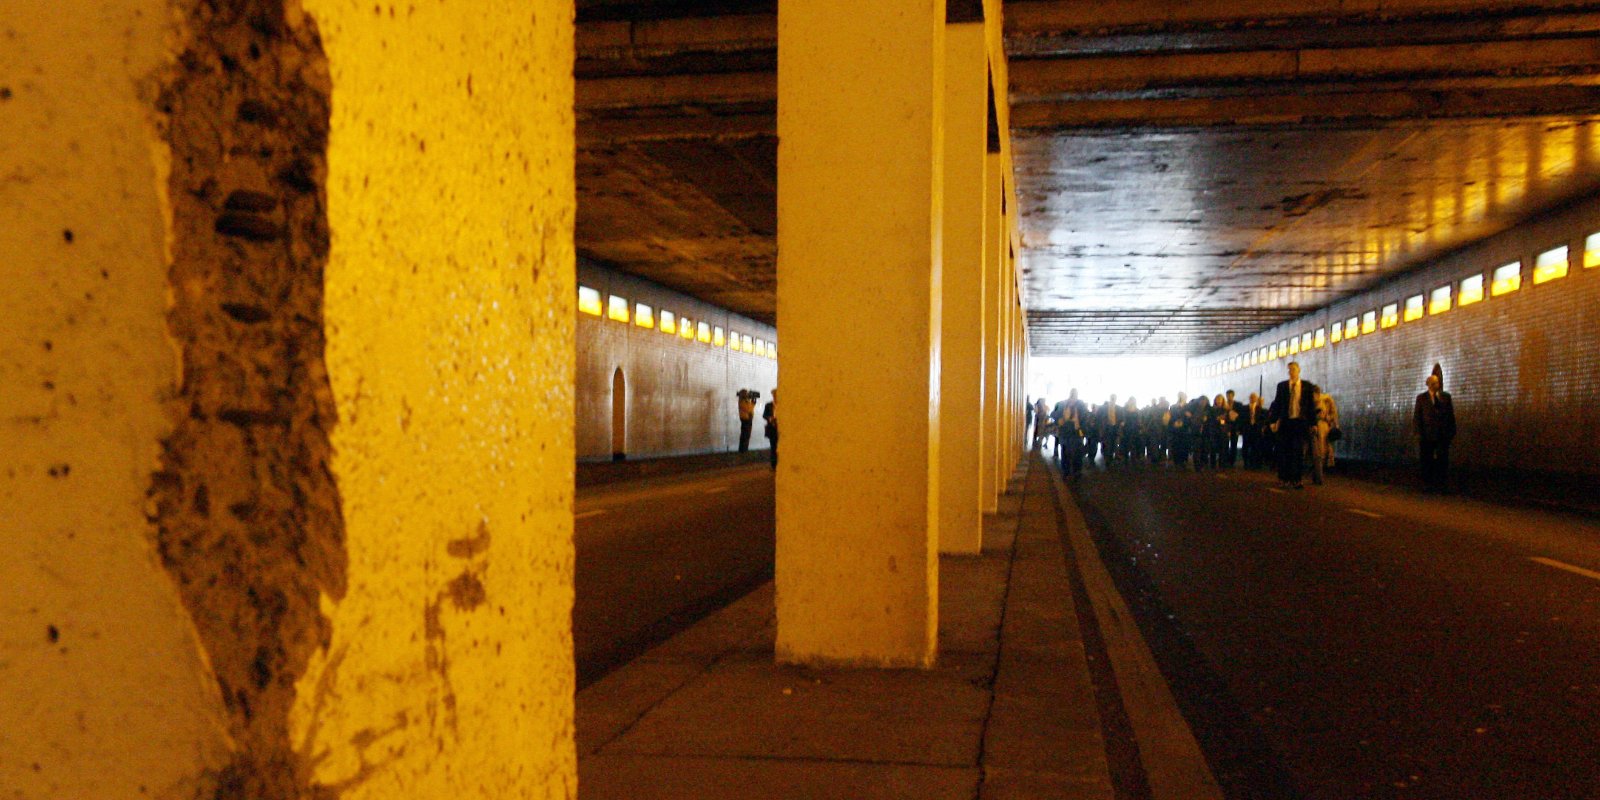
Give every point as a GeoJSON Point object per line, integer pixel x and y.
{"type": "Point", "coordinates": [249, 518]}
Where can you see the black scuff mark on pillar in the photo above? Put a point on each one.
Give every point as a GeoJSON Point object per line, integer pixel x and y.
{"type": "Point", "coordinates": [246, 510]}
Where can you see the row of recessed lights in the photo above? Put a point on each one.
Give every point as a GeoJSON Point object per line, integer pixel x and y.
{"type": "Point", "coordinates": [617, 309]}
{"type": "Point", "coordinates": [1549, 265]}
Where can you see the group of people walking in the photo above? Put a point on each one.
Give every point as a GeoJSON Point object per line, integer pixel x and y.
{"type": "Point", "coordinates": [1300, 427]}
{"type": "Point", "coordinates": [1197, 433]}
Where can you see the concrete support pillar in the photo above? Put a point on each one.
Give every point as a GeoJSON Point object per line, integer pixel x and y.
{"type": "Point", "coordinates": [104, 690]}
{"type": "Point", "coordinates": [288, 395]}
{"type": "Point", "coordinates": [993, 282]}
{"type": "Point", "coordinates": [1021, 424]}
{"type": "Point", "coordinates": [961, 393]}
{"type": "Point", "coordinates": [1003, 436]}
{"type": "Point", "coordinates": [451, 288]}
{"type": "Point", "coordinates": [859, 299]}
{"type": "Point", "coordinates": [1002, 419]}
{"type": "Point", "coordinates": [1013, 397]}
{"type": "Point", "coordinates": [1017, 397]}
{"type": "Point", "coordinates": [1011, 389]}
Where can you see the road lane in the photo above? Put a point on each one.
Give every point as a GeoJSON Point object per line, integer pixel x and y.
{"type": "Point", "coordinates": [655, 555]}
{"type": "Point", "coordinates": [1415, 650]}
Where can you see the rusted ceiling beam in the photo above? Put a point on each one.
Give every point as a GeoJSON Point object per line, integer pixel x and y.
{"type": "Point", "coordinates": [1046, 17]}
{"type": "Point", "coordinates": [1174, 73]}
{"type": "Point", "coordinates": [1304, 34]}
{"type": "Point", "coordinates": [666, 91]}
{"type": "Point", "coordinates": [609, 131]}
{"type": "Point", "coordinates": [657, 37]}
{"type": "Point", "coordinates": [646, 38]}
{"type": "Point", "coordinates": [1296, 108]}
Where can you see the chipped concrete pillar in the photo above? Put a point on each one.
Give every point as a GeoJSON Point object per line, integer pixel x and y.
{"type": "Point", "coordinates": [105, 691]}
{"type": "Point", "coordinates": [993, 282]}
{"type": "Point", "coordinates": [961, 381]}
{"type": "Point", "coordinates": [859, 93]}
{"type": "Point", "coordinates": [289, 463]}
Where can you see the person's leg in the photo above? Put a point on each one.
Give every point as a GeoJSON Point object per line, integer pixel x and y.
{"type": "Point", "coordinates": [1442, 465]}
{"type": "Point", "coordinates": [1285, 446]}
{"type": "Point", "coordinates": [1319, 447]}
{"type": "Point", "coordinates": [1302, 448]}
{"type": "Point", "coordinates": [1294, 448]}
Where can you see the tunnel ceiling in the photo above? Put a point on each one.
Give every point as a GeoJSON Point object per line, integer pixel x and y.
{"type": "Point", "coordinates": [1187, 173]}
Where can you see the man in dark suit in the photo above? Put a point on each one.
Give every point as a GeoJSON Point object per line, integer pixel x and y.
{"type": "Point", "coordinates": [1180, 431]}
{"type": "Point", "coordinates": [1251, 421]}
{"type": "Point", "coordinates": [1294, 411]}
{"type": "Point", "coordinates": [1236, 413]}
{"type": "Point", "coordinates": [1435, 423]}
{"type": "Point", "coordinates": [1070, 416]}
{"type": "Point", "coordinates": [1110, 418]}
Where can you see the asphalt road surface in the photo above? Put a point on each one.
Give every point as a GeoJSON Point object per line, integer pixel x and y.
{"type": "Point", "coordinates": [1357, 640]}
{"type": "Point", "coordinates": [658, 554]}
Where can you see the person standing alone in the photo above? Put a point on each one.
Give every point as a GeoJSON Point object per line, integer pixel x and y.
{"type": "Point", "coordinates": [1435, 423]}
{"type": "Point", "coordinates": [770, 414]}
{"type": "Point", "coordinates": [1294, 411]}
{"type": "Point", "coordinates": [747, 416]}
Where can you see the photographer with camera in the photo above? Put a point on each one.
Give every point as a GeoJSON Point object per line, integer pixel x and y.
{"type": "Point", "coordinates": [747, 416]}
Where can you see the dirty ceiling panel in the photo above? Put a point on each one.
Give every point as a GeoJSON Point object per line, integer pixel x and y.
{"type": "Point", "coordinates": [1187, 173]}
{"type": "Point", "coordinates": [698, 217]}
{"type": "Point", "coordinates": [1130, 225]}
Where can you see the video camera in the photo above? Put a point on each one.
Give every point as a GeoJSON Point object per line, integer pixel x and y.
{"type": "Point", "coordinates": [748, 394]}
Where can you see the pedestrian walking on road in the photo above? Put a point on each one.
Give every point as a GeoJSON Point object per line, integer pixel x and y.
{"type": "Point", "coordinates": [1236, 410]}
{"type": "Point", "coordinates": [1215, 429]}
{"type": "Point", "coordinates": [1180, 434]}
{"type": "Point", "coordinates": [1252, 422]}
{"type": "Point", "coordinates": [1041, 418]}
{"type": "Point", "coordinates": [1435, 423]}
{"type": "Point", "coordinates": [1069, 417]}
{"type": "Point", "coordinates": [1323, 436]}
{"type": "Point", "coordinates": [1294, 411]}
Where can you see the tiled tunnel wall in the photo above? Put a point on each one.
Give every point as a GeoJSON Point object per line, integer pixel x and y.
{"type": "Point", "coordinates": [1523, 367]}
{"type": "Point", "coordinates": [679, 392]}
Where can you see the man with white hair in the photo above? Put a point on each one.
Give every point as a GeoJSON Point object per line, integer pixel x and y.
{"type": "Point", "coordinates": [1435, 422]}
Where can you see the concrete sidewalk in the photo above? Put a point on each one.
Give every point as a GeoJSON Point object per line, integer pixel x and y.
{"type": "Point", "coordinates": [1009, 712]}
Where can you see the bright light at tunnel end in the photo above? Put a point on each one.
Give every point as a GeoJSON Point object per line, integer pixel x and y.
{"type": "Point", "coordinates": [1096, 379]}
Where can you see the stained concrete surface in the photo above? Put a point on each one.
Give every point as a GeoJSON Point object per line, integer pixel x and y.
{"type": "Point", "coordinates": [1006, 713]}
